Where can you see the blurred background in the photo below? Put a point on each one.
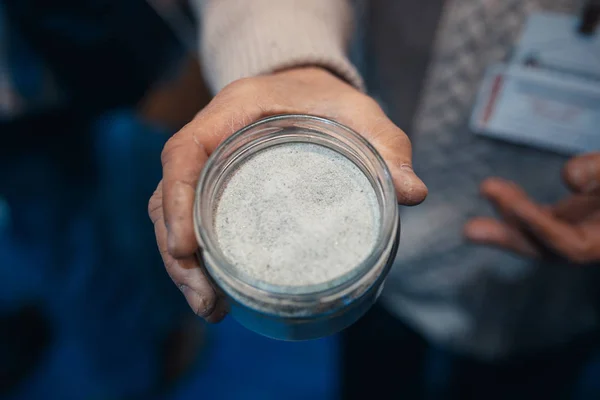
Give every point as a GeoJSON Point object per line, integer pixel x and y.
{"type": "Point", "coordinates": [88, 97]}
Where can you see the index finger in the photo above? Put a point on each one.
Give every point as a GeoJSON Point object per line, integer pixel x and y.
{"type": "Point", "coordinates": [565, 239]}
{"type": "Point", "coordinates": [183, 158]}
{"type": "Point", "coordinates": [555, 234]}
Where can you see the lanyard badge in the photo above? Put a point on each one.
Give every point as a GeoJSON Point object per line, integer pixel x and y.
{"type": "Point", "coordinates": [548, 94]}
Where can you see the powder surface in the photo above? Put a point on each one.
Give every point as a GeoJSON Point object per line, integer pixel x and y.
{"type": "Point", "coordinates": [297, 214]}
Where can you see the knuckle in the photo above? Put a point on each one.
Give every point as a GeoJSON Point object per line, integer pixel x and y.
{"type": "Point", "coordinates": [169, 263]}
{"type": "Point", "coordinates": [155, 204]}
{"type": "Point", "coordinates": [173, 145]}
{"type": "Point", "coordinates": [155, 208]}
{"type": "Point", "coordinates": [393, 140]}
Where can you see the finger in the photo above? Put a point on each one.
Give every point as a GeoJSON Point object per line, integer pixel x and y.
{"type": "Point", "coordinates": [182, 158]}
{"type": "Point", "coordinates": [396, 150]}
{"type": "Point", "coordinates": [220, 311]}
{"type": "Point", "coordinates": [221, 307]}
{"type": "Point", "coordinates": [582, 174]}
{"type": "Point", "coordinates": [565, 239]}
{"type": "Point", "coordinates": [186, 273]}
{"type": "Point", "coordinates": [560, 237]}
{"type": "Point", "coordinates": [195, 286]}
{"type": "Point", "coordinates": [577, 208]}
{"type": "Point", "coordinates": [502, 193]}
{"type": "Point", "coordinates": [496, 233]}
{"type": "Point", "coordinates": [187, 151]}
{"type": "Point", "coordinates": [572, 209]}
{"type": "Point", "coordinates": [392, 144]}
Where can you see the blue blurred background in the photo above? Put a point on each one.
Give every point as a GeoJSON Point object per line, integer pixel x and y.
{"type": "Point", "coordinates": [87, 98]}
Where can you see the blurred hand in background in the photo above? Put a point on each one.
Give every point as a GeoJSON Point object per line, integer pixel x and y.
{"type": "Point", "coordinates": [569, 229]}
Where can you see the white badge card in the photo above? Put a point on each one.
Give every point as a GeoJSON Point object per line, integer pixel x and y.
{"type": "Point", "coordinates": [539, 108]}
{"type": "Point", "coordinates": [548, 95]}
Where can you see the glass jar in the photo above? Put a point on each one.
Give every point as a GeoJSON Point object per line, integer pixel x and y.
{"type": "Point", "coordinates": [298, 312]}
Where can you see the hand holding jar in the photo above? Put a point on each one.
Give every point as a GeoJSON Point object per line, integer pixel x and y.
{"type": "Point", "coordinates": [312, 91]}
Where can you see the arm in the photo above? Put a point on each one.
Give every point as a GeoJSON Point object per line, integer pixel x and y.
{"type": "Point", "coordinates": [241, 38]}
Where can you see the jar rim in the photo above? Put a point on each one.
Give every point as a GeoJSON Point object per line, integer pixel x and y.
{"type": "Point", "coordinates": [388, 212]}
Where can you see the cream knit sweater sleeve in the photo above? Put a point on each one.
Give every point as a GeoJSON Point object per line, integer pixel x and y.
{"type": "Point", "coordinates": [244, 38]}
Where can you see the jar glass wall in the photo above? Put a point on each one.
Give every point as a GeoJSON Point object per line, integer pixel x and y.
{"type": "Point", "coordinates": [296, 312]}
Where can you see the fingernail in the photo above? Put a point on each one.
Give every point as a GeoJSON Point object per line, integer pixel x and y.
{"type": "Point", "coordinates": [222, 315]}
{"type": "Point", "coordinates": [412, 186]}
{"type": "Point", "coordinates": [196, 302]}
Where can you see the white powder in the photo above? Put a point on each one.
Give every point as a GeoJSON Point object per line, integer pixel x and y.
{"type": "Point", "coordinates": [297, 214]}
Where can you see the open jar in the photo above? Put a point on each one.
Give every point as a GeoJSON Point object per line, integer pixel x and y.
{"type": "Point", "coordinates": [285, 275]}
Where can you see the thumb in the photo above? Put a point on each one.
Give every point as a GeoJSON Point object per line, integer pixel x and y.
{"type": "Point", "coordinates": [395, 148]}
